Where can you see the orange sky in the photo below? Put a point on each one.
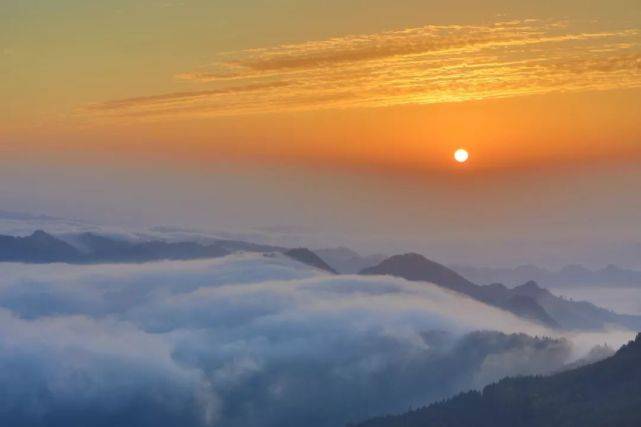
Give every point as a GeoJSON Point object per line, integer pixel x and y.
{"type": "Point", "coordinates": [370, 92]}
{"type": "Point", "coordinates": [515, 84]}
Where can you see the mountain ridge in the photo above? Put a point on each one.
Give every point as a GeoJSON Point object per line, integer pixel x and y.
{"type": "Point", "coordinates": [308, 257]}
{"type": "Point", "coordinates": [567, 276]}
{"type": "Point", "coordinates": [528, 300]}
{"type": "Point", "coordinates": [605, 393]}
{"type": "Point", "coordinates": [91, 248]}
{"type": "Point", "coordinates": [415, 267]}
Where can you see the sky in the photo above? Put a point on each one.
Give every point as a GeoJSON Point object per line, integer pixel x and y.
{"type": "Point", "coordinates": [339, 117]}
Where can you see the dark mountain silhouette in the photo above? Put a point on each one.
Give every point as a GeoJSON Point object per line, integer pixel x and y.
{"type": "Point", "coordinates": [528, 300]}
{"type": "Point", "coordinates": [308, 257]}
{"type": "Point", "coordinates": [575, 314]}
{"type": "Point", "coordinates": [606, 393]}
{"type": "Point", "coordinates": [240, 246]}
{"type": "Point", "coordinates": [416, 267]}
{"type": "Point", "coordinates": [570, 275]}
{"type": "Point", "coordinates": [38, 247]}
{"type": "Point", "coordinates": [41, 247]}
{"type": "Point", "coordinates": [105, 249]}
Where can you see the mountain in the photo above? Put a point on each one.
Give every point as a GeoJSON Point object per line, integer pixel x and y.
{"type": "Point", "coordinates": [606, 393]}
{"type": "Point", "coordinates": [416, 267]}
{"type": "Point", "coordinates": [104, 249]}
{"type": "Point", "coordinates": [308, 257]}
{"type": "Point", "coordinates": [578, 315]}
{"type": "Point", "coordinates": [241, 246]}
{"type": "Point", "coordinates": [528, 300]}
{"type": "Point", "coordinates": [41, 247]}
{"type": "Point", "coordinates": [570, 275]}
{"type": "Point", "coordinates": [347, 261]}
{"type": "Point", "coordinates": [38, 247]}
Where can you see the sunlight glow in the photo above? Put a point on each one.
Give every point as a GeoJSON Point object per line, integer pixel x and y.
{"type": "Point", "coordinates": [461, 155]}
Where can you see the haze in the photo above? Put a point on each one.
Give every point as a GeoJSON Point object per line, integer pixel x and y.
{"type": "Point", "coordinates": [340, 119]}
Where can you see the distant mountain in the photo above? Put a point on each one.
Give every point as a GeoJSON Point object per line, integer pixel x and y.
{"type": "Point", "coordinates": [347, 261]}
{"type": "Point", "coordinates": [606, 393]}
{"type": "Point", "coordinates": [41, 247]}
{"type": "Point", "coordinates": [416, 267]}
{"type": "Point", "coordinates": [570, 275]}
{"type": "Point", "coordinates": [38, 247]}
{"type": "Point", "coordinates": [528, 300]}
{"type": "Point", "coordinates": [105, 249]}
{"type": "Point", "coordinates": [308, 257]}
{"type": "Point", "coordinates": [578, 315]}
{"type": "Point", "coordinates": [241, 246]}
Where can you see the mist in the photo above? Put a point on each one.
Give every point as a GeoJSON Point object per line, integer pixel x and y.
{"type": "Point", "coordinates": [617, 298]}
{"type": "Point", "coordinates": [551, 226]}
{"type": "Point", "coordinates": [248, 340]}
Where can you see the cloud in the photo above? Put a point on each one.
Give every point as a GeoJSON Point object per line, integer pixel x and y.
{"type": "Point", "coordinates": [423, 65]}
{"type": "Point", "coordinates": [182, 98]}
{"type": "Point", "coordinates": [75, 371]}
{"type": "Point", "coordinates": [246, 340]}
{"type": "Point", "coordinates": [428, 40]}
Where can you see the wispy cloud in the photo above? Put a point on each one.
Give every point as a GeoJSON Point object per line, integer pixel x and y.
{"type": "Point", "coordinates": [430, 64]}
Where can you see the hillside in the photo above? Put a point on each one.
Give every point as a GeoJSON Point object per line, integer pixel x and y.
{"type": "Point", "coordinates": [89, 248]}
{"type": "Point", "coordinates": [529, 300]}
{"type": "Point", "coordinates": [416, 267]}
{"type": "Point", "coordinates": [606, 393]}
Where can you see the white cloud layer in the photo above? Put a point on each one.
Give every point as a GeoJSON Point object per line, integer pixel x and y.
{"type": "Point", "coordinates": [246, 340]}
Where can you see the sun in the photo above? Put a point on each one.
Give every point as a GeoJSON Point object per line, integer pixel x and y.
{"type": "Point", "coordinates": [461, 155]}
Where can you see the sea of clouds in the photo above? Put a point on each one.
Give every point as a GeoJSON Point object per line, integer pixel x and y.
{"type": "Point", "coordinates": [247, 340]}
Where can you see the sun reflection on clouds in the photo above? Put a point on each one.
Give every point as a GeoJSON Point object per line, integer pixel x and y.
{"type": "Point", "coordinates": [424, 65]}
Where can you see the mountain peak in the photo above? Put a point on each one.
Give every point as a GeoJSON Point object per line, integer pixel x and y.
{"type": "Point", "coordinates": [530, 285]}
{"type": "Point", "coordinates": [41, 234]}
{"type": "Point", "coordinates": [531, 289]}
{"type": "Point", "coordinates": [308, 257]}
{"type": "Point", "coordinates": [410, 256]}
{"type": "Point", "coordinates": [410, 260]}
{"type": "Point", "coordinates": [413, 266]}
{"type": "Point", "coordinates": [632, 347]}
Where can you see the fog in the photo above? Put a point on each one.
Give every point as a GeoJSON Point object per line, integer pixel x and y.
{"type": "Point", "coordinates": [480, 218]}
{"type": "Point", "coordinates": [621, 299]}
{"type": "Point", "coordinates": [247, 340]}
